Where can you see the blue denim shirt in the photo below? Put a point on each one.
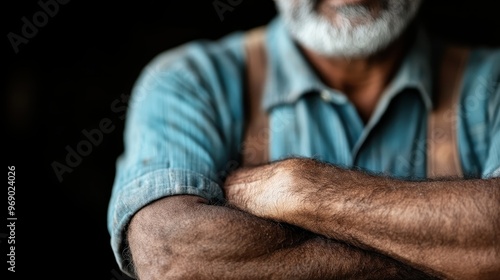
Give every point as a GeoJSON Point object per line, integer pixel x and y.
{"type": "Point", "coordinates": [185, 120]}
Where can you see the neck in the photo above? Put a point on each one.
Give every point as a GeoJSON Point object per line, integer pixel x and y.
{"type": "Point", "coordinates": [362, 80]}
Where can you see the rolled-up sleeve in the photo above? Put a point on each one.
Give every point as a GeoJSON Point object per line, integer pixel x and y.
{"type": "Point", "coordinates": [175, 142]}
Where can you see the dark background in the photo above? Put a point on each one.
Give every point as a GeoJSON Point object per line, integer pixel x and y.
{"type": "Point", "coordinates": [65, 79]}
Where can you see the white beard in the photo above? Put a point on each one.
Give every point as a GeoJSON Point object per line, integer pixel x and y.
{"type": "Point", "coordinates": [348, 38]}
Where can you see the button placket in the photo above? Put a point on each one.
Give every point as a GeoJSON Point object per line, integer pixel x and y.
{"type": "Point", "coordinates": [326, 95]}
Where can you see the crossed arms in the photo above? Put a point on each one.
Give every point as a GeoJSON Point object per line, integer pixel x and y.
{"type": "Point", "coordinates": [303, 219]}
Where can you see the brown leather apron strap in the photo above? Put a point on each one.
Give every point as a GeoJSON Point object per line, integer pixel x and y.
{"type": "Point", "coordinates": [443, 159]}
{"type": "Point", "coordinates": [255, 149]}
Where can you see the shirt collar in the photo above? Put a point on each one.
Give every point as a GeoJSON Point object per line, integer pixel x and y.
{"type": "Point", "coordinates": [290, 76]}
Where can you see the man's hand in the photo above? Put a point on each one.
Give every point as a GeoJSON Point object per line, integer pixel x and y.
{"type": "Point", "coordinates": [275, 191]}
{"type": "Point", "coordinates": [447, 226]}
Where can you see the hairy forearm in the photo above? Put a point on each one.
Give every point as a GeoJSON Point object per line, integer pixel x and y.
{"type": "Point", "coordinates": [448, 226]}
{"type": "Point", "coordinates": [183, 237]}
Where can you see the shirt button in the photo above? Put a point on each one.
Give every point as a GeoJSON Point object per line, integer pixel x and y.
{"type": "Point", "coordinates": [326, 96]}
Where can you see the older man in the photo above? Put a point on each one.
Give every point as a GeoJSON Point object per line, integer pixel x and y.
{"type": "Point", "coordinates": [356, 148]}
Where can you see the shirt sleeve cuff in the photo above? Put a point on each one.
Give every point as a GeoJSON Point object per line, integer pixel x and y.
{"type": "Point", "coordinates": [148, 188]}
{"type": "Point", "coordinates": [496, 173]}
